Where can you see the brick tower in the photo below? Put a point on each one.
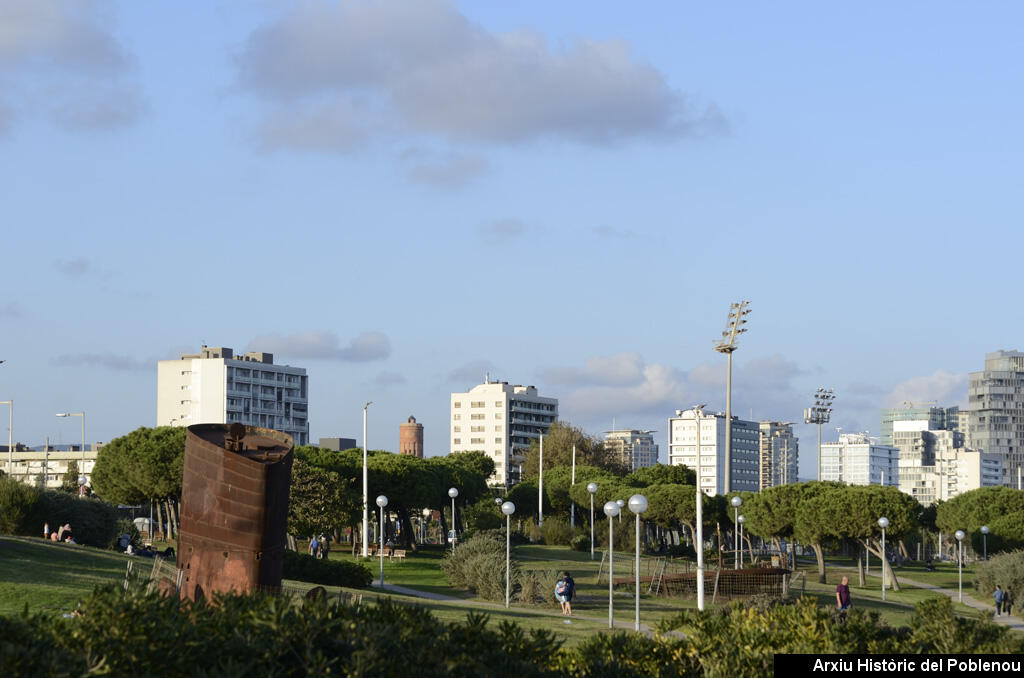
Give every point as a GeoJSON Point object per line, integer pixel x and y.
{"type": "Point", "coordinates": [410, 438]}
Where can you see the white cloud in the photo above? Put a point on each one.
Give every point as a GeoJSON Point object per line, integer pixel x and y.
{"type": "Point", "coordinates": [60, 60]}
{"type": "Point", "coordinates": [945, 388]}
{"type": "Point", "coordinates": [366, 347]}
{"type": "Point", "coordinates": [424, 68]}
{"type": "Point", "coordinates": [109, 361]}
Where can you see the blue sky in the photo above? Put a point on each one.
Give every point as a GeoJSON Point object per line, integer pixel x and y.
{"type": "Point", "coordinates": [400, 196]}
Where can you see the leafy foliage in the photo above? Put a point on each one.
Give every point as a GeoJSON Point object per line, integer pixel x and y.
{"type": "Point", "coordinates": [24, 509]}
{"type": "Point", "coordinates": [320, 500]}
{"type": "Point", "coordinates": [478, 564]}
{"type": "Point", "coordinates": [1006, 570]}
{"type": "Point", "coordinates": [1001, 508]}
{"type": "Point", "coordinates": [558, 444]}
{"type": "Point", "coordinates": [304, 567]}
{"type": "Point", "coordinates": [142, 465]}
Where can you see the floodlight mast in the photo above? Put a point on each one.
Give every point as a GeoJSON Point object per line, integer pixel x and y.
{"type": "Point", "coordinates": [726, 345]}
{"type": "Point", "coordinates": [819, 414]}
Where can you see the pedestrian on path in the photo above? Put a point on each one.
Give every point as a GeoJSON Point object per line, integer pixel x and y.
{"type": "Point", "coordinates": [564, 590]}
{"type": "Point", "coordinates": [843, 594]}
{"type": "Point", "coordinates": [999, 595]}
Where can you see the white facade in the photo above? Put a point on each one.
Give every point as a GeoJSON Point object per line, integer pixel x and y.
{"type": "Point", "coordinates": [857, 460]}
{"type": "Point", "coordinates": [46, 467]}
{"type": "Point", "coordinates": [500, 420]}
{"type": "Point", "coordinates": [995, 403]}
{"type": "Point", "coordinates": [778, 456]}
{"type": "Point", "coordinates": [743, 469]}
{"type": "Point", "coordinates": [635, 448]}
{"type": "Point", "coordinates": [215, 387]}
{"type": "Point", "coordinates": [936, 466]}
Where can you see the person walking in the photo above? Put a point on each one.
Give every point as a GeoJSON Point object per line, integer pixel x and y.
{"type": "Point", "coordinates": [843, 595]}
{"type": "Point", "coordinates": [564, 591]}
{"type": "Point", "coordinates": [999, 595]}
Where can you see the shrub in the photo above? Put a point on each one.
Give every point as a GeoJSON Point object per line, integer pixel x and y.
{"type": "Point", "coordinates": [1005, 569]}
{"type": "Point", "coordinates": [556, 531]}
{"type": "Point", "coordinates": [581, 542]}
{"type": "Point", "coordinates": [478, 564]}
{"type": "Point", "coordinates": [304, 567]}
{"type": "Point", "coordinates": [17, 501]}
{"type": "Point", "coordinates": [538, 586]}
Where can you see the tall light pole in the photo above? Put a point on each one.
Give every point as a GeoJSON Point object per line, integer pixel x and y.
{"type": "Point", "coordinates": [10, 437]}
{"type": "Point", "coordinates": [960, 534]}
{"type": "Point", "coordinates": [453, 492]}
{"type": "Point", "coordinates": [637, 504]}
{"type": "Point", "coordinates": [984, 541]}
{"type": "Point", "coordinates": [366, 510]}
{"type": "Point", "coordinates": [611, 509]}
{"type": "Point", "coordinates": [819, 414]}
{"type": "Point", "coordinates": [82, 415]}
{"type": "Point", "coordinates": [726, 345]}
{"type": "Point", "coordinates": [382, 501]}
{"type": "Point", "coordinates": [698, 413]}
{"type": "Point", "coordinates": [508, 508]}
{"type": "Point", "coordinates": [592, 489]}
{"type": "Point", "coordinates": [736, 502]}
{"type": "Point", "coordinates": [572, 504]}
{"type": "Point", "coordinates": [741, 519]}
{"type": "Point", "coordinates": [540, 485]}
{"type": "Point", "coordinates": [883, 523]}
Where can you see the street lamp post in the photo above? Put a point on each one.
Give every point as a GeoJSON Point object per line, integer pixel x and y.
{"type": "Point", "coordinates": [698, 413]}
{"type": "Point", "coordinates": [621, 504]}
{"type": "Point", "coordinates": [10, 436]}
{"type": "Point", "coordinates": [984, 541]}
{"type": "Point", "coordinates": [736, 502]}
{"type": "Point", "coordinates": [637, 504]}
{"type": "Point", "coordinates": [960, 534]}
{"type": "Point", "coordinates": [611, 509]}
{"type": "Point", "coordinates": [741, 519]}
{"type": "Point", "coordinates": [883, 523]}
{"type": "Point", "coordinates": [366, 502]}
{"type": "Point", "coordinates": [819, 414]}
{"type": "Point", "coordinates": [726, 345]}
{"type": "Point", "coordinates": [453, 492]}
{"type": "Point", "coordinates": [382, 501]}
{"type": "Point", "coordinates": [592, 489]}
{"type": "Point", "coordinates": [508, 508]}
{"type": "Point", "coordinates": [540, 485]}
{"type": "Point", "coordinates": [81, 485]}
{"type": "Point", "coordinates": [572, 504]}
{"type": "Point", "coordinates": [82, 415]}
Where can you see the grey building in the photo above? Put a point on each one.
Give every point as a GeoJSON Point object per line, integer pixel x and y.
{"type": "Point", "coordinates": [779, 454]}
{"type": "Point", "coordinates": [938, 418]}
{"type": "Point", "coordinates": [995, 406]}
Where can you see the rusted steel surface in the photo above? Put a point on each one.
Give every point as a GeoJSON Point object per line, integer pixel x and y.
{"type": "Point", "coordinates": [234, 508]}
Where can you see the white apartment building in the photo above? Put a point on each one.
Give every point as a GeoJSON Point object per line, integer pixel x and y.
{"type": "Point", "coordinates": [935, 465]}
{"type": "Point", "coordinates": [635, 448]}
{"type": "Point", "coordinates": [995, 404]}
{"type": "Point", "coordinates": [45, 466]}
{"type": "Point", "coordinates": [500, 419]}
{"type": "Point", "coordinates": [743, 467]}
{"type": "Point", "coordinates": [778, 454]}
{"type": "Point", "coordinates": [856, 459]}
{"type": "Point", "coordinates": [217, 387]}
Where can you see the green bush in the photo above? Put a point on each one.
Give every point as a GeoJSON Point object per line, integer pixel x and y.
{"type": "Point", "coordinates": [538, 586]}
{"type": "Point", "coordinates": [24, 509]}
{"type": "Point", "coordinates": [581, 542]}
{"type": "Point", "coordinates": [304, 567]}
{"type": "Point", "coordinates": [261, 635]}
{"type": "Point", "coordinates": [478, 564]}
{"type": "Point", "coordinates": [17, 502]}
{"type": "Point", "coordinates": [556, 531]}
{"type": "Point", "coordinates": [1005, 569]}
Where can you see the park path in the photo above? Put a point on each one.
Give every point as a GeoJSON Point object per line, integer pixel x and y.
{"type": "Point", "coordinates": [1012, 621]}
{"type": "Point", "coordinates": [415, 593]}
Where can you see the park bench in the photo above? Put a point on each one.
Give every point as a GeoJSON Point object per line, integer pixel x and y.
{"type": "Point", "coordinates": [398, 553]}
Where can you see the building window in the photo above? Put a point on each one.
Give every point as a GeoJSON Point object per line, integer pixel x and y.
{"type": "Point", "coordinates": [456, 417]}
{"type": "Point", "coordinates": [477, 403]}
{"type": "Point", "coordinates": [498, 403]}
{"type": "Point", "coordinates": [497, 429]}
{"type": "Point", "coordinates": [477, 429]}
{"type": "Point", "coordinates": [498, 415]}
{"type": "Point", "coordinates": [498, 441]}
{"type": "Point", "coordinates": [457, 429]}
{"type": "Point", "coordinates": [476, 441]}
{"type": "Point", "coordinates": [457, 404]}
{"type": "Point", "coordinates": [457, 441]}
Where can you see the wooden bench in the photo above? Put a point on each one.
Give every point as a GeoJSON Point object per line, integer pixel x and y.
{"type": "Point", "coordinates": [398, 553]}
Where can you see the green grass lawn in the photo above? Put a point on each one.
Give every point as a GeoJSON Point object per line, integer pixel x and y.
{"type": "Point", "coordinates": [50, 576]}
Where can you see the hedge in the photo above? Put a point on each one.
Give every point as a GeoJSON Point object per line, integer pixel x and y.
{"type": "Point", "coordinates": [304, 567]}
{"type": "Point", "coordinates": [24, 509]}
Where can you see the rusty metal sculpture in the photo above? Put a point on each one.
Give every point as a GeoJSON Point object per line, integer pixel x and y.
{"type": "Point", "coordinates": [234, 509]}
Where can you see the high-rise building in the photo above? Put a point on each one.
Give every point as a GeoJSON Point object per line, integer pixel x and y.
{"type": "Point", "coordinates": [634, 448]}
{"type": "Point", "coordinates": [778, 454]}
{"type": "Point", "coordinates": [936, 466]}
{"type": "Point", "coordinates": [410, 438]}
{"type": "Point", "coordinates": [500, 419]}
{"type": "Point", "coordinates": [856, 459]}
{"type": "Point", "coordinates": [938, 418]}
{"type": "Point", "coordinates": [216, 387]}
{"type": "Point", "coordinates": [995, 405]}
{"type": "Point", "coordinates": [743, 468]}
